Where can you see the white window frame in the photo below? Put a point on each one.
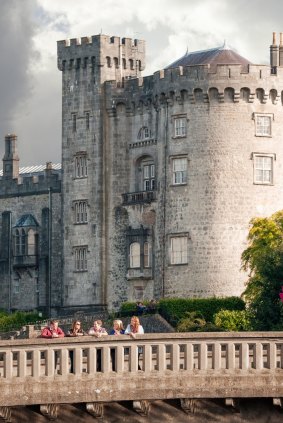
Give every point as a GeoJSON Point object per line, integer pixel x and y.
{"type": "Point", "coordinates": [80, 258]}
{"type": "Point", "coordinates": [148, 170]}
{"type": "Point", "coordinates": [135, 255]}
{"type": "Point", "coordinates": [263, 168]}
{"type": "Point", "coordinates": [179, 249]}
{"type": "Point", "coordinates": [263, 124]}
{"type": "Point", "coordinates": [179, 170]}
{"type": "Point", "coordinates": [180, 126]}
{"type": "Point", "coordinates": [146, 254]}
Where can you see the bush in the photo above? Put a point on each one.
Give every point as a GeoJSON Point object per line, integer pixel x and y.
{"type": "Point", "coordinates": [16, 320]}
{"type": "Point", "coordinates": [174, 309]}
{"type": "Point", "coordinates": [130, 308]}
{"type": "Point", "coordinates": [194, 322]}
{"type": "Point", "coordinates": [233, 320]}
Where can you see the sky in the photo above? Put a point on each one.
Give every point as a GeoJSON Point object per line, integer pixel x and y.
{"type": "Point", "coordinates": [30, 83]}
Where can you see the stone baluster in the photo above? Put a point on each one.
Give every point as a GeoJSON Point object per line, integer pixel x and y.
{"type": "Point", "coordinates": [5, 414]}
{"type": "Point", "coordinates": [64, 362]}
{"type": "Point", "coordinates": [36, 363]}
{"type": "Point", "coordinates": [133, 358]}
{"type": "Point", "coordinates": [202, 356]}
{"type": "Point", "coordinates": [271, 356]}
{"type": "Point", "coordinates": [49, 362]}
{"type": "Point", "coordinates": [216, 356]}
{"type": "Point", "coordinates": [230, 363]}
{"type": "Point", "coordinates": [78, 361]}
{"type": "Point", "coordinates": [119, 356]}
{"type": "Point", "coordinates": [22, 363]}
{"type": "Point", "coordinates": [175, 358]}
{"type": "Point", "coordinates": [280, 348]}
{"type": "Point", "coordinates": [105, 359]}
{"type": "Point", "coordinates": [8, 365]}
{"type": "Point", "coordinates": [91, 360]}
{"type": "Point", "coordinates": [147, 358]}
{"type": "Point", "coordinates": [189, 356]}
{"type": "Point", "coordinates": [244, 356]}
{"type": "Point", "coordinates": [161, 357]}
{"type": "Point", "coordinates": [258, 352]}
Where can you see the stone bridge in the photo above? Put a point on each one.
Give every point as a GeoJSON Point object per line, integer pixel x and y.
{"type": "Point", "coordinates": [184, 366]}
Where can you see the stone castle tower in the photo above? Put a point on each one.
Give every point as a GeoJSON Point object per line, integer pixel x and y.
{"type": "Point", "coordinates": [160, 178]}
{"type": "Point", "coordinates": [162, 174]}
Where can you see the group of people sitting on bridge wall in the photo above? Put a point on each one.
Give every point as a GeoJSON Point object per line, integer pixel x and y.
{"type": "Point", "coordinates": [54, 331]}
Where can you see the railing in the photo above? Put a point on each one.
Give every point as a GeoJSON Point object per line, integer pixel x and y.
{"type": "Point", "coordinates": [139, 197]}
{"type": "Point", "coordinates": [152, 366]}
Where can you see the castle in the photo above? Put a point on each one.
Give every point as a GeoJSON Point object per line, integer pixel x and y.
{"type": "Point", "coordinates": [160, 178]}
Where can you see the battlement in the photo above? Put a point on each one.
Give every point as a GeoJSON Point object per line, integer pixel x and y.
{"type": "Point", "coordinates": [199, 83]}
{"type": "Point", "coordinates": [31, 185]}
{"type": "Point", "coordinates": [78, 52]}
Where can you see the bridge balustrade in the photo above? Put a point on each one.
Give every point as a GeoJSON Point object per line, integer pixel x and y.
{"type": "Point", "coordinates": [152, 366]}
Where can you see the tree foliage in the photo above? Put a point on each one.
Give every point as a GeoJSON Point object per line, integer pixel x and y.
{"type": "Point", "coordinates": [264, 260]}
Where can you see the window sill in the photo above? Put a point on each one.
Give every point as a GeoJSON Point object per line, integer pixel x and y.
{"type": "Point", "coordinates": [179, 185]}
{"type": "Point", "coordinates": [80, 223]}
{"type": "Point", "coordinates": [80, 271]}
{"type": "Point", "coordinates": [178, 264]}
{"type": "Point", "coordinates": [263, 136]}
{"type": "Point", "coordinates": [176, 137]}
{"type": "Point", "coordinates": [269, 184]}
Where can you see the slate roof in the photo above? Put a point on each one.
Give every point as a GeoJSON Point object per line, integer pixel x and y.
{"type": "Point", "coordinates": [220, 55]}
{"type": "Point", "coordinates": [26, 220]}
{"type": "Point", "coordinates": [36, 169]}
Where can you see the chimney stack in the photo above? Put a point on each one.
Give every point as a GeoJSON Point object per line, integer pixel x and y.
{"type": "Point", "coordinates": [11, 158]}
{"type": "Point", "coordinates": [281, 50]}
{"type": "Point", "coordinates": [274, 53]}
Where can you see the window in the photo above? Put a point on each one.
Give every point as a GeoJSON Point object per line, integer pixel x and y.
{"type": "Point", "coordinates": [180, 171]}
{"type": "Point", "coordinates": [81, 166]}
{"type": "Point", "coordinates": [263, 169]}
{"type": "Point", "coordinates": [144, 133]}
{"type": "Point", "coordinates": [135, 255]}
{"type": "Point", "coordinates": [179, 250]}
{"type": "Point", "coordinates": [148, 177]}
{"type": "Point", "coordinates": [263, 125]}
{"type": "Point", "coordinates": [80, 254]}
{"type": "Point", "coordinates": [20, 242]}
{"type": "Point", "coordinates": [80, 211]}
{"type": "Point", "coordinates": [108, 61]}
{"type": "Point", "coordinates": [74, 123]}
{"type": "Point", "coordinates": [87, 121]}
{"type": "Point", "coordinates": [31, 242]}
{"type": "Point", "coordinates": [146, 255]}
{"type": "Point", "coordinates": [16, 286]}
{"type": "Point", "coordinates": [180, 127]}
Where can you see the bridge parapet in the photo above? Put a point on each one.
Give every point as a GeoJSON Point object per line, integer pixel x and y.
{"type": "Point", "coordinates": [150, 367]}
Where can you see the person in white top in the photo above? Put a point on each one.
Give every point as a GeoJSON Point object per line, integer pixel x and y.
{"type": "Point", "coordinates": [133, 329]}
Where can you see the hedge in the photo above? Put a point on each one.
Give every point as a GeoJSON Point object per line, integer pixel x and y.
{"type": "Point", "coordinates": [174, 309]}
{"type": "Point", "coordinates": [16, 320]}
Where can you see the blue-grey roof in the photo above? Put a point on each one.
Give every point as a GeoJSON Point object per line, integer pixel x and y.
{"type": "Point", "coordinates": [26, 220]}
{"type": "Point", "coordinates": [36, 169]}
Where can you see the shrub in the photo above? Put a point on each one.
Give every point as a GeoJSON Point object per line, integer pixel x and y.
{"type": "Point", "coordinates": [174, 309]}
{"type": "Point", "coordinates": [130, 308]}
{"type": "Point", "coordinates": [194, 322]}
{"type": "Point", "coordinates": [233, 320]}
{"type": "Point", "coordinates": [16, 320]}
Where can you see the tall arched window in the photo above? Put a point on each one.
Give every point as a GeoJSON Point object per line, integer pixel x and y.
{"type": "Point", "coordinates": [31, 242]}
{"type": "Point", "coordinates": [135, 255]}
{"type": "Point", "coordinates": [146, 255]}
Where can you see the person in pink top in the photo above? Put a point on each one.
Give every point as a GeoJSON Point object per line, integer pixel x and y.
{"type": "Point", "coordinates": [52, 331]}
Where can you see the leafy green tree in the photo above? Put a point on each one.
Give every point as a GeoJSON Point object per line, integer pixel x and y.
{"type": "Point", "coordinates": [264, 260]}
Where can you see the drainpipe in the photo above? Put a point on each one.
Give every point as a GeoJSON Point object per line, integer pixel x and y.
{"type": "Point", "coordinates": [49, 248]}
{"type": "Point", "coordinates": [164, 200]}
{"type": "Point", "coordinates": [10, 263]}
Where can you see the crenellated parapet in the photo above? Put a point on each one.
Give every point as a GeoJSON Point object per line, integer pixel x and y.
{"type": "Point", "coordinates": [30, 185]}
{"type": "Point", "coordinates": [198, 84]}
{"type": "Point", "coordinates": [102, 51]}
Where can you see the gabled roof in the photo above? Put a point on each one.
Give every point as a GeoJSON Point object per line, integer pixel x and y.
{"type": "Point", "coordinates": [26, 220]}
{"type": "Point", "coordinates": [220, 55]}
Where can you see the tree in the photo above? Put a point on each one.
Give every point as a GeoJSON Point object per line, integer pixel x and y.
{"type": "Point", "coordinates": [264, 260]}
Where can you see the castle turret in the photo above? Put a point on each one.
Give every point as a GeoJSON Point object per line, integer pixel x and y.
{"type": "Point", "coordinates": [11, 158]}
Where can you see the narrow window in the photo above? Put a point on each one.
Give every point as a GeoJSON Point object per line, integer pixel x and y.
{"type": "Point", "coordinates": [81, 166]}
{"type": "Point", "coordinates": [180, 127]}
{"type": "Point", "coordinates": [80, 254]}
{"type": "Point", "coordinates": [23, 243]}
{"type": "Point", "coordinates": [263, 170]}
{"type": "Point", "coordinates": [180, 171]}
{"type": "Point", "coordinates": [108, 61]}
{"type": "Point", "coordinates": [31, 242]}
{"type": "Point", "coordinates": [148, 177]}
{"type": "Point", "coordinates": [74, 123]}
{"type": "Point", "coordinates": [135, 255]}
{"type": "Point", "coordinates": [146, 255]}
{"type": "Point", "coordinates": [17, 243]}
{"type": "Point", "coordinates": [179, 250]}
{"type": "Point", "coordinates": [87, 121]}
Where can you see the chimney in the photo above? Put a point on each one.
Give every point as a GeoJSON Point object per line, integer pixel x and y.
{"type": "Point", "coordinates": [274, 54]}
{"type": "Point", "coordinates": [11, 158]}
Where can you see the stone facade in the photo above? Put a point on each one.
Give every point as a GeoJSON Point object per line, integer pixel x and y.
{"type": "Point", "coordinates": [161, 174]}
